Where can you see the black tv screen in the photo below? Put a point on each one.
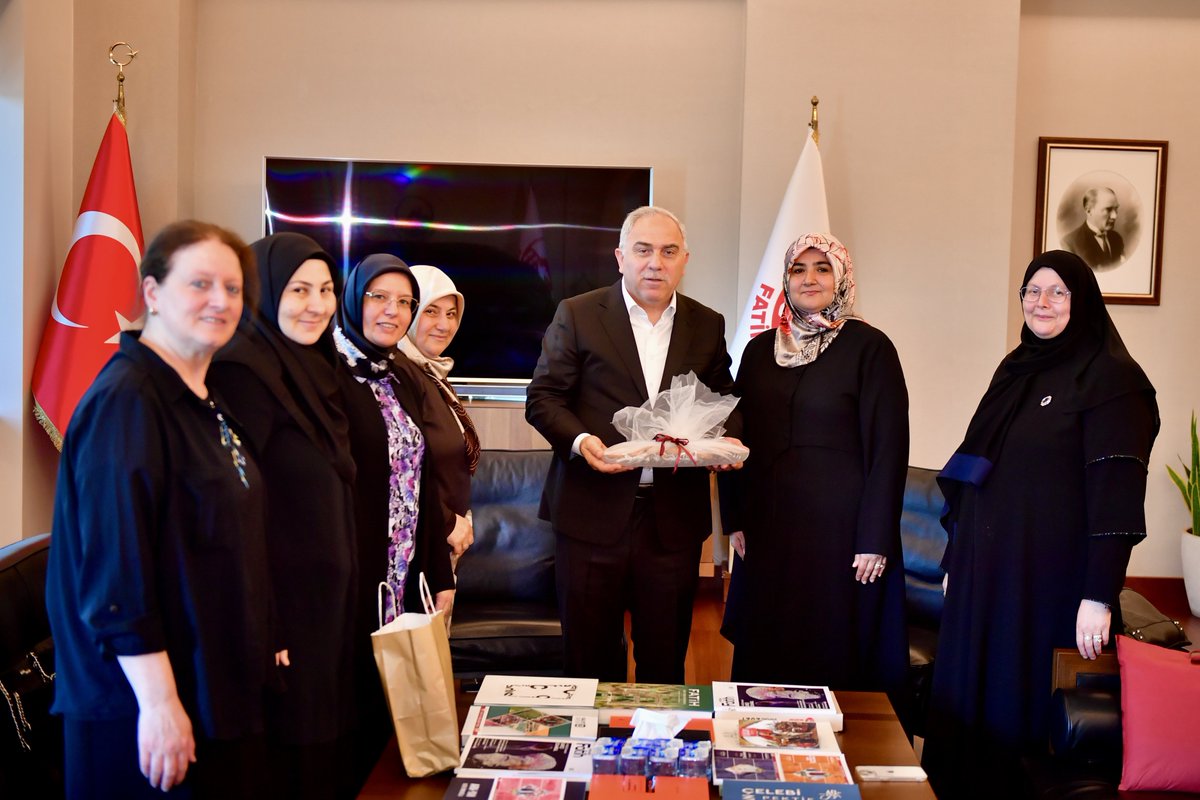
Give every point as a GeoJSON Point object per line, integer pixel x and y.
{"type": "Point", "coordinates": [515, 239]}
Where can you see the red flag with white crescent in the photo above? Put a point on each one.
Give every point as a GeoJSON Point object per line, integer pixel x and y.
{"type": "Point", "coordinates": [98, 292]}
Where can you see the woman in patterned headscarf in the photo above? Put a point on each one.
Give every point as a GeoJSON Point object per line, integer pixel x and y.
{"type": "Point", "coordinates": [450, 431]}
{"type": "Point", "coordinates": [816, 510]}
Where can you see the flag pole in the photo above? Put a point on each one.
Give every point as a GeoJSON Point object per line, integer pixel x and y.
{"type": "Point", "coordinates": [802, 210]}
{"type": "Point", "coordinates": [813, 123]}
{"type": "Point", "coordinates": [121, 61]}
{"type": "Point", "coordinates": [97, 292]}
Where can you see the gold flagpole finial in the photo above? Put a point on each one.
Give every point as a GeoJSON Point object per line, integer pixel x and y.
{"type": "Point", "coordinates": [121, 61]}
{"type": "Point", "coordinates": [813, 123]}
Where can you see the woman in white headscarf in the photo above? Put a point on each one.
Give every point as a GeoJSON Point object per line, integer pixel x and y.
{"type": "Point", "coordinates": [449, 432]}
{"type": "Point", "coordinates": [816, 510]}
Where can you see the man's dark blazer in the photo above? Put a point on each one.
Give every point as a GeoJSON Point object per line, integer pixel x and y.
{"type": "Point", "coordinates": [588, 370]}
{"type": "Point", "coordinates": [1082, 242]}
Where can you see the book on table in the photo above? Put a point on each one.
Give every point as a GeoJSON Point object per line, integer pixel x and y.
{"type": "Point", "coordinates": [522, 721]}
{"type": "Point", "coordinates": [777, 790]}
{"type": "Point", "coordinates": [776, 700]}
{"type": "Point", "coordinates": [636, 787]}
{"type": "Point", "coordinates": [779, 765]}
{"type": "Point", "coordinates": [515, 787]}
{"type": "Point", "coordinates": [788, 733]}
{"type": "Point", "coordinates": [683, 700]}
{"type": "Point", "coordinates": [695, 729]}
{"type": "Point", "coordinates": [536, 691]}
{"type": "Point", "coordinates": [485, 756]}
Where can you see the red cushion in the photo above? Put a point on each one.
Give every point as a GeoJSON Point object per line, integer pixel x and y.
{"type": "Point", "coordinates": [1160, 709]}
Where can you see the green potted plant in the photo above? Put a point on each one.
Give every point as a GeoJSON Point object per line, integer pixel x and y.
{"type": "Point", "coordinates": [1189, 487]}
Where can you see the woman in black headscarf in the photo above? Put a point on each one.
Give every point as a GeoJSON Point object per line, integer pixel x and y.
{"type": "Point", "coordinates": [1044, 501]}
{"type": "Point", "coordinates": [280, 377]}
{"type": "Point", "coordinates": [402, 524]}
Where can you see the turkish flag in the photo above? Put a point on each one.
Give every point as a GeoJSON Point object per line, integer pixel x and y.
{"type": "Point", "coordinates": [98, 292]}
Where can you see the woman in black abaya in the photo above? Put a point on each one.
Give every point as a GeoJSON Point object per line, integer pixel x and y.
{"type": "Point", "coordinates": [280, 377]}
{"type": "Point", "coordinates": [1045, 500]}
{"type": "Point", "coordinates": [825, 414]}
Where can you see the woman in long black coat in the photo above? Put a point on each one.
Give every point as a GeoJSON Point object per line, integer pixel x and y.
{"type": "Point", "coordinates": [1045, 499]}
{"type": "Point", "coordinates": [817, 505]}
{"type": "Point", "coordinates": [280, 377]}
{"type": "Point", "coordinates": [402, 524]}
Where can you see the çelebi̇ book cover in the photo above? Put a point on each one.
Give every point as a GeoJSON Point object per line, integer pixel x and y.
{"type": "Point", "coordinates": [789, 767]}
{"type": "Point", "coordinates": [515, 787]}
{"type": "Point", "coordinates": [771, 790]}
{"type": "Point", "coordinates": [685, 700]}
{"type": "Point", "coordinates": [523, 721]}
{"type": "Point", "coordinates": [487, 757]}
{"type": "Point", "coordinates": [523, 690]}
{"type": "Point", "coordinates": [776, 700]}
{"type": "Point", "coordinates": [788, 733]}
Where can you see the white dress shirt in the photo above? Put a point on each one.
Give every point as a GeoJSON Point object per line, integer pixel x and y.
{"type": "Point", "coordinates": [653, 341]}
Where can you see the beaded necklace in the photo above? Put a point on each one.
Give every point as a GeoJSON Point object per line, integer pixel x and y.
{"type": "Point", "coordinates": [231, 442]}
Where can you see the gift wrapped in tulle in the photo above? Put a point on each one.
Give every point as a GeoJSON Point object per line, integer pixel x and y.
{"type": "Point", "coordinates": [679, 427]}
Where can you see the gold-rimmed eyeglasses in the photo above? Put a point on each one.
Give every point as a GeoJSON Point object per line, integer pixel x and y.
{"type": "Point", "coordinates": [386, 300]}
{"type": "Point", "coordinates": [1055, 294]}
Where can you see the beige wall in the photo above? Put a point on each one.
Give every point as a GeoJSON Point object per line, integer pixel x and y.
{"type": "Point", "coordinates": [916, 114]}
{"type": "Point", "coordinates": [36, 124]}
{"type": "Point", "coordinates": [930, 111]}
{"type": "Point", "coordinates": [1116, 70]}
{"type": "Point", "coordinates": [621, 82]}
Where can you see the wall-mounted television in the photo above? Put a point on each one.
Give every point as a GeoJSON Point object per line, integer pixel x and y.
{"type": "Point", "coordinates": [515, 239]}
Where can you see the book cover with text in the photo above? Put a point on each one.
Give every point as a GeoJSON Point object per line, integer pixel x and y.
{"type": "Point", "coordinates": [521, 721]}
{"type": "Point", "coordinates": [685, 700]}
{"type": "Point", "coordinates": [486, 757]}
{"type": "Point", "coordinates": [776, 700]}
{"type": "Point", "coordinates": [773, 790]}
{"type": "Point", "coordinates": [789, 733]}
{"type": "Point", "coordinates": [515, 787]}
{"type": "Point", "coordinates": [523, 690]}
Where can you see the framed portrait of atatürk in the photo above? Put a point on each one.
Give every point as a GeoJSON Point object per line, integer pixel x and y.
{"type": "Point", "coordinates": [1103, 200]}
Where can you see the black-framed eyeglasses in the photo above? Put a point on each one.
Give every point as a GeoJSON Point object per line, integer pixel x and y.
{"type": "Point", "coordinates": [1055, 294]}
{"type": "Point", "coordinates": [387, 300]}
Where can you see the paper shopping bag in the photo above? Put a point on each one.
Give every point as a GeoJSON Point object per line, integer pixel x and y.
{"type": "Point", "coordinates": [413, 655]}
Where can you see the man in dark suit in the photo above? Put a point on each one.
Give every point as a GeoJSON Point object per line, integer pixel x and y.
{"type": "Point", "coordinates": [627, 538]}
{"type": "Point", "coordinates": [1095, 241]}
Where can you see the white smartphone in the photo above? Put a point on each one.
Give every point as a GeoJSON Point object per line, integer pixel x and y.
{"type": "Point", "coordinates": [890, 774]}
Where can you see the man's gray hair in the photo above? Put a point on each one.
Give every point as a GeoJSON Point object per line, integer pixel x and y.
{"type": "Point", "coordinates": [632, 218]}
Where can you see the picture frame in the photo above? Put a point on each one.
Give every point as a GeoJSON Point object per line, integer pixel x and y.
{"type": "Point", "coordinates": [1104, 200]}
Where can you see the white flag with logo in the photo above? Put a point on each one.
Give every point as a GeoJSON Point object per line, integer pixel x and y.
{"type": "Point", "coordinates": [802, 211]}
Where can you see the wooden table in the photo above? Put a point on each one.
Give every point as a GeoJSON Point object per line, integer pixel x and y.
{"type": "Point", "coordinates": [872, 736]}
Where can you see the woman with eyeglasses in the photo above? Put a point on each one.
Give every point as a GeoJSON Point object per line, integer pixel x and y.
{"type": "Point", "coordinates": [451, 433]}
{"type": "Point", "coordinates": [1044, 501]}
{"type": "Point", "coordinates": [402, 525]}
{"type": "Point", "coordinates": [284, 383]}
{"type": "Point", "coordinates": [816, 515]}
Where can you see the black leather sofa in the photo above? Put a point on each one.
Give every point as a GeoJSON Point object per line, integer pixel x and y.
{"type": "Point", "coordinates": [924, 542]}
{"type": "Point", "coordinates": [1086, 742]}
{"type": "Point", "coordinates": [30, 737]}
{"type": "Point", "coordinates": [505, 610]}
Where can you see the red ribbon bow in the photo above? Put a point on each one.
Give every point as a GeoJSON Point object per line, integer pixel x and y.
{"type": "Point", "coordinates": [662, 440]}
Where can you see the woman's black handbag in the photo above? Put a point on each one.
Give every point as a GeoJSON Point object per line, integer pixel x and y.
{"type": "Point", "coordinates": [31, 739]}
{"type": "Point", "coordinates": [1146, 623]}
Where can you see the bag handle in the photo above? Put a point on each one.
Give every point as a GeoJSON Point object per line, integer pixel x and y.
{"type": "Point", "coordinates": [426, 598]}
{"type": "Point", "coordinates": [391, 593]}
{"type": "Point", "coordinates": [426, 595]}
